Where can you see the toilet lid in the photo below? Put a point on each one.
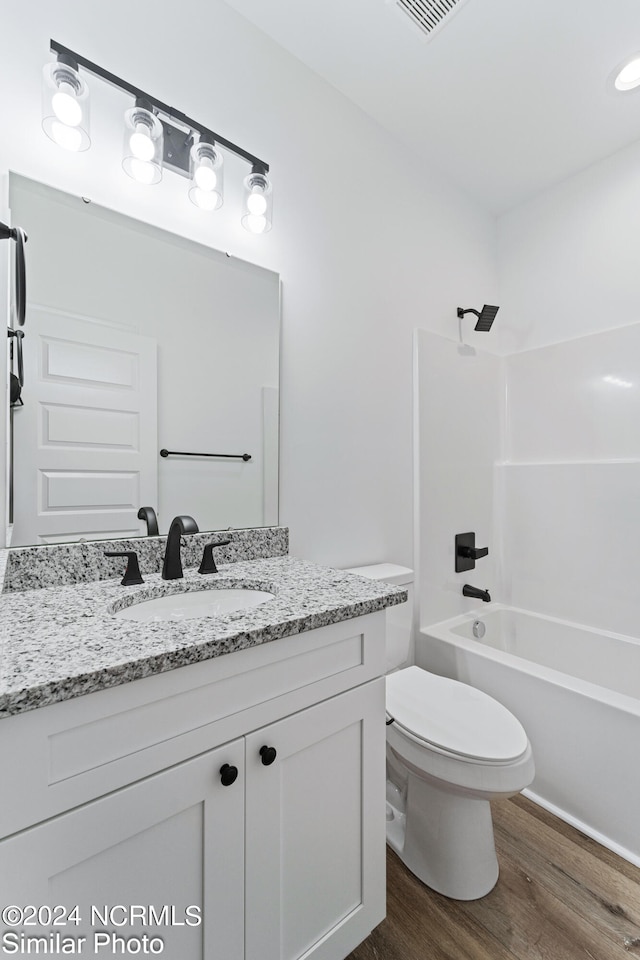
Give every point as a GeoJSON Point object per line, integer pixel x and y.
{"type": "Point", "coordinates": [453, 716]}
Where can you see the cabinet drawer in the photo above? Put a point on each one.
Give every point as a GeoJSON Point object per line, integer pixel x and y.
{"type": "Point", "coordinates": [68, 753]}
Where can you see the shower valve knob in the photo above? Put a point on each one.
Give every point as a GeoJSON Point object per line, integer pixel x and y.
{"type": "Point", "coordinates": [467, 553]}
{"type": "Point", "coordinates": [475, 553]}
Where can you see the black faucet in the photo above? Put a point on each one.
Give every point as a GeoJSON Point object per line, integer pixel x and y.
{"type": "Point", "coordinates": [172, 566]}
{"type": "Point", "coordinates": [148, 514]}
{"type": "Point", "coordinates": [469, 591]}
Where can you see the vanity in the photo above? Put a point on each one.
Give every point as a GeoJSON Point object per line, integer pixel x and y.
{"type": "Point", "coordinates": [229, 769]}
{"type": "Point", "coordinates": [203, 788]}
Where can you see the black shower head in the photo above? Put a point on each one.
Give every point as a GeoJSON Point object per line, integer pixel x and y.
{"type": "Point", "coordinates": [486, 316]}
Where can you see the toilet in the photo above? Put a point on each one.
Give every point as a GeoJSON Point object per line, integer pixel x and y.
{"type": "Point", "coordinates": [450, 750]}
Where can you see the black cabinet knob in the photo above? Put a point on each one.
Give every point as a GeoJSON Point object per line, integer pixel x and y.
{"type": "Point", "coordinates": [268, 755]}
{"type": "Point", "coordinates": [228, 775]}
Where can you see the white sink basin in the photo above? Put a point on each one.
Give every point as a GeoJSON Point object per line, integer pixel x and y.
{"type": "Point", "coordinates": [196, 603]}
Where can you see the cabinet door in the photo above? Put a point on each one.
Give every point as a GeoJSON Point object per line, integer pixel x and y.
{"type": "Point", "coordinates": [315, 834]}
{"type": "Point", "coordinates": [174, 839]}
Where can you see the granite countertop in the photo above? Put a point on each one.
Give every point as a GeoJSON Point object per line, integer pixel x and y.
{"type": "Point", "coordinates": [64, 642]}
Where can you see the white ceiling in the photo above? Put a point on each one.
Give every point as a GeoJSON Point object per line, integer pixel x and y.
{"type": "Point", "coordinates": [508, 97]}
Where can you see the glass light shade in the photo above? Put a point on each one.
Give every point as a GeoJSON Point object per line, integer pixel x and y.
{"type": "Point", "coordinates": [207, 176]}
{"type": "Point", "coordinates": [257, 210]}
{"type": "Point", "coordinates": [65, 107]}
{"type": "Point", "coordinates": [143, 145]}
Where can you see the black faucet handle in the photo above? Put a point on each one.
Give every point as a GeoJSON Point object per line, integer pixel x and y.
{"type": "Point", "coordinates": [132, 572]}
{"type": "Point", "coordinates": [208, 564]}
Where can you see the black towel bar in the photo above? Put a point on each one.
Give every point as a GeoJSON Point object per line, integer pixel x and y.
{"type": "Point", "coordinates": [226, 456]}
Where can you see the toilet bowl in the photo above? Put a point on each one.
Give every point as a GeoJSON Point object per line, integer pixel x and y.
{"type": "Point", "coordinates": [450, 750]}
{"type": "Point", "coordinates": [453, 749]}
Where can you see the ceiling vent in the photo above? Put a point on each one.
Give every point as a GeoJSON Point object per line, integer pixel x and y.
{"type": "Point", "coordinates": [427, 15]}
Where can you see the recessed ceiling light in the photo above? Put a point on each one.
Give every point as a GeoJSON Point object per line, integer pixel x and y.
{"type": "Point", "coordinates": [627, 75]}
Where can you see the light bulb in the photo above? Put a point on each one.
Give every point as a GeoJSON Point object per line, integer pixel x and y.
{"type": "Point", "coordinates": [205, 199]}
{"type": "Point", "coordinates": [255, 223]}
{"type": "Point", "coordinates": [205, 176]}
{"type": "Point", "coordinates": [257, 204]}
{"type": "Point", "coordinates": [65, 105]}
{"type": "Point", "coordinates": [141, 144]}
{"type": "Point", "coordinates": [68, 137]}
{"type": "Point", "coordinates": [142, 170]}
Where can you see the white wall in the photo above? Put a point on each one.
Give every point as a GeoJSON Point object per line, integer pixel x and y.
{"type": "Point", "coordinates": [568, 259]}
{"type": "Point", "coordinates": [369, 242]}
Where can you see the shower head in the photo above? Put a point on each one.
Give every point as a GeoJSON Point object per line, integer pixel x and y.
{"type": "Point", "coordinates": [486, 316]}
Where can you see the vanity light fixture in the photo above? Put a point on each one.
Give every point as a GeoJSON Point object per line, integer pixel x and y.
{"type": "Point", "coordinates": [65, 104]}
{"type": "Point", "coordinates": [157, 137]}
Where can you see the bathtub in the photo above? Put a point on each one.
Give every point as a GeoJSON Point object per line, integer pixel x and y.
{"type": "Point", "coordinates": [576, 691]}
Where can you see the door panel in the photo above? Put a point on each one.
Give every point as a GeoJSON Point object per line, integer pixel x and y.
{"type": "Point", "coordinates": [85, 442]}
{"type": "Point", "coordinates": [175, 839]}
{"type": "Point", "coordinates": [316, 830]}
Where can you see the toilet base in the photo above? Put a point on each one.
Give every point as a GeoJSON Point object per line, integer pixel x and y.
{"type": "Point", "coordinates": [446, 840]}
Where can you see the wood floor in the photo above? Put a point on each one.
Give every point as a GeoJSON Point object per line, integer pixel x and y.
{"type": "Point", "coordinates": [560, 896]}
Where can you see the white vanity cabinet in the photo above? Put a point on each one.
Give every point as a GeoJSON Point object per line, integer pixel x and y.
{"type": "Point", "coordinates": [117, 798]}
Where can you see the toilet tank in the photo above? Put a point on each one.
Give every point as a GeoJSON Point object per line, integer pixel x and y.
{"type": "Point", "coordinates": [399, 618]}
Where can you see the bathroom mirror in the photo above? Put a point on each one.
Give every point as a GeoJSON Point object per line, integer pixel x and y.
{"type": "Point", "coordinates": [138, 340]}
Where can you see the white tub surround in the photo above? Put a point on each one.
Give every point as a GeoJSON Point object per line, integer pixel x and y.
{"type": "Point", "coordinates": [458, 421]}
{"type": "Point", "coordinates": [211, 787]}
{"type": "Point", "coordinates": [570, 481]}
{"type": "Point", "coordinates": [576, 692]}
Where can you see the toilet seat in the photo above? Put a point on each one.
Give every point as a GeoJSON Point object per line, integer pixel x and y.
{"type": "Point", "coordinates": [453, 718]}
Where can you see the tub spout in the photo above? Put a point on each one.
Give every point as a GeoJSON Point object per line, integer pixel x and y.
{"type": "Point", "coordinates": [469, 591]}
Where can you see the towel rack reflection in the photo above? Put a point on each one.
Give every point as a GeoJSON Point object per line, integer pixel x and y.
{"type": "Point", "coordinates": [225, 456]}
